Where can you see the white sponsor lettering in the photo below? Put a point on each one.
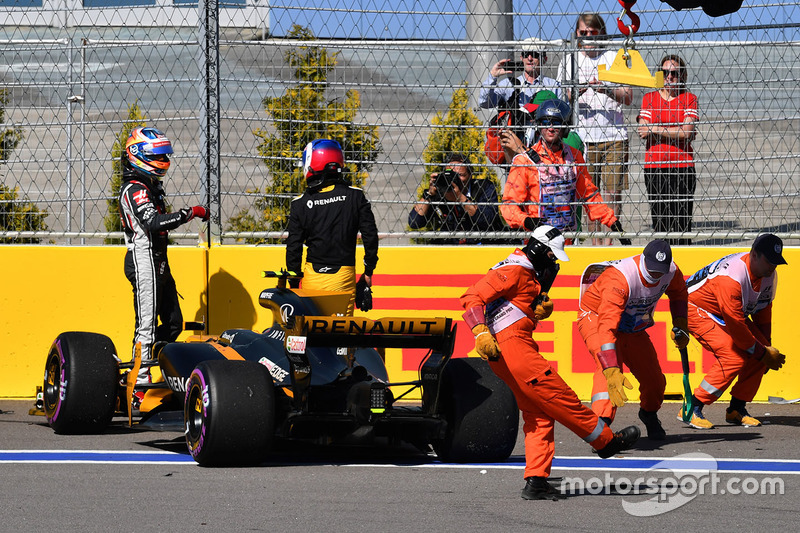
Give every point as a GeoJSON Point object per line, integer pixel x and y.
{"type": "Point", "coordinates": [277, 373]}
{"type": "Point", "coordinates": [176, 383]}
{"type": "Point", "coordinates": [228, 336]}
{"type": "Point", "coordinates": [331, 200]}
{"type": "Point", "coordinates": [206, 399]}
{"type": "Point", "coordinates": [287, 310]}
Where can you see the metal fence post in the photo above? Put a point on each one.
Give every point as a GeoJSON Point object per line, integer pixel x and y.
{"type": "Point", "coordinates": [208, 39]}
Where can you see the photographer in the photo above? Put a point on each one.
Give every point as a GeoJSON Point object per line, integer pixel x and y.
{"type": "Point", "coordinates": [456, 202]}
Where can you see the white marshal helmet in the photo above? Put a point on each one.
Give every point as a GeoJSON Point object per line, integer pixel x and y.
{"type": "Point", "coordinates": [552, 238]}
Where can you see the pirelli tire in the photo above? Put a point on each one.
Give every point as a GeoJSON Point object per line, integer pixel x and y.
{"type": "Point", "coordinates": [229, 413]}
{"type": "Point", "coordinates": [481, 413]}
{"type": "Point", "coordinates": [81, 381]}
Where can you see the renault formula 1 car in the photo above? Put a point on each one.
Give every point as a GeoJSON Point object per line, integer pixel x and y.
{"type": "Point", "coordinates": [310, 376]}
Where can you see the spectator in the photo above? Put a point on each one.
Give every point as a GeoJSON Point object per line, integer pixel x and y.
{"type": "Point", "coordinates": [546, 182]}
{"type": "Point", "coordinates": [455, 201]}
{"type": "Point", "coordinates": [146, 223]}
{"type": "Point", "coordinates": [496, 93]}
{"type": "Point", "coordinates": [601, 123]}
{"type": "Point", "coordinates": [667, 124]}
{"type": "Point", "coordinates": [327, 218]}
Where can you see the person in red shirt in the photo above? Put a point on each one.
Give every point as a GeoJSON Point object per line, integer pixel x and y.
{"type": "Point", "coordinates": [730, 314]}
{"type": "Point", "coordinates": [547, 183]}
{"type": "Point", "coordinates": [614, 313]}
{"type": "Point", "coordinates": [502, 310]}
{"type": "Point", "coordinates": [667, 124]}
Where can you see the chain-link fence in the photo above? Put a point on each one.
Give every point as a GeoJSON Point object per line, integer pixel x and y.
{"type": "Point", "coordinates": [69, 87]}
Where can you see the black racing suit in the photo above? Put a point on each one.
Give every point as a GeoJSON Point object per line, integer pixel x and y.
{"type": "Point", "coordinates": [328, 221]}
{"type": "Point", "coordinates": [146, 223]}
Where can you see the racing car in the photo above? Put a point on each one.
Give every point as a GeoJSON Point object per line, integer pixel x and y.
{"type": "Point", "coordinates": [312, 375]}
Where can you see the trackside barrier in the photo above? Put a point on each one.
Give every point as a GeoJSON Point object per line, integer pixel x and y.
{"type": "Point", "coordinates": [45, 290]}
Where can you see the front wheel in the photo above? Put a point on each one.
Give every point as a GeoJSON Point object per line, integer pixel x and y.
{"type": "Point", "coordinates": [481, 413]}
{"type": "Point", "coordinates": [229, 413]}
{"type": "Point", "coordinates": [81, 379]}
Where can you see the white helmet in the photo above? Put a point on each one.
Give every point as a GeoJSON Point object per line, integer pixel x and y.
{"type": "Point", "coordinates": [551, 238]}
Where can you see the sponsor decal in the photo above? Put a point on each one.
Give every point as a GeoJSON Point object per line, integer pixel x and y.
{"type": "Point", "coordinates": [265, 295]}
{"type": "Point", "coordinates": [287, 310]}
{"type": "Point", "coordinates": [228, 336]}
{"type": "Point", "coordinates": [277, 373]}
{"type": "Point", "coordinates": [276, 334]}
{"type": "Point", "coordinates": [62, 390]}
{"type": "Point", "coordinates": [324, 269]}
{"type": "Point", "coordinates": [342, 350]}
{"type": "Point", "coordinates": [140, 197]}
{"type": "Point", "coordinates": [363, 326]}
{"type": "Point", "coordinates": [177, 383]}
{"type": "Point", "coordinates": [206, 399]}
{"type": "Point", "coordinates": [309, 204]}
{"type": "Point", "coordinates": [295, 344]}
{"type": "Point", "coordinates": [326, 201]}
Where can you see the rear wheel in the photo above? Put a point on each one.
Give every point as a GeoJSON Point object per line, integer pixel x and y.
{"type": "Point", "coordinates": [229, 413]}
{"type": "Point", "coordinates": [81, 379]}
{"type": "Point", "coordinates": [481, 413]}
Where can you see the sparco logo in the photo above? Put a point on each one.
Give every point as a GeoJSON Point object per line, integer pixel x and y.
{"type": "Point", "coordinates": [287, 310]}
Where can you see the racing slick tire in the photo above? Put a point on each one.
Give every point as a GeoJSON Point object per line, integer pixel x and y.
{"type": "Point", "coordinates": [81, 380]}
{"type": "Point", "coordinates": [481, 413]}
{"type": "Point", "coordinates": [229, 413]}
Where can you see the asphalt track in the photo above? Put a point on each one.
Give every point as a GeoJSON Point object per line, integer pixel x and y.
{"type": "Point", "coordinates": [727, 479]}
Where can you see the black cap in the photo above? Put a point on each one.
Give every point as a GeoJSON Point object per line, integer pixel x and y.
{"type": "Point", "coordinates": [771, 247]}
{"type": "Point", "coordinates": [657, 256]}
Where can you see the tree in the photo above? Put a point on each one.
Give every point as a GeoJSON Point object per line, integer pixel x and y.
{"type": "Point", "coordinates": [19, 215]}
{"type": "Point", "coordinates": [16, 212]}
{"type": "Point", "coordinates": [457, 130]}
{"type": "Point", "coordinates": [301, 115]}
{"type": "Point", "coordinates": [112, 221]}
{"type": "Point", "coordinates": [9, 137]}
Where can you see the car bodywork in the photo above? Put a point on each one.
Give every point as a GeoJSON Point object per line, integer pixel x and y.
{"type": "Point", "coordinates": [309, 376]}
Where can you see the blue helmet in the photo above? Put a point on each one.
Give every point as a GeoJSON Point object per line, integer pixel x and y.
{"type": "Point", "coordinates": [554, 110]}
{"type": "Point", "coordinates": [323, 160]}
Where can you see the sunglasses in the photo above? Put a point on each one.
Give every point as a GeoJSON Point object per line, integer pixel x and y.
{"type": "Point", "coordinates": [550, 123]}
{"type": "Point", "coordinates": [673, 73]}
{"type": "Point", "coordinates": [536, 55]}
{"type": "Point", "coordinates": [589, 31]}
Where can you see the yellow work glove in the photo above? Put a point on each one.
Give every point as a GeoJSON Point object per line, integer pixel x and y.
{"type": "Point", "coordinates": [544, 309]}
{"type": "Point", "coordinates": [773, 358]}
{"type": "Point", "coordinates": [485, 343]}
{"type": "Point", "coordinates": [680, 340]}
{"type": "Point", "coordinates": [616, 381]}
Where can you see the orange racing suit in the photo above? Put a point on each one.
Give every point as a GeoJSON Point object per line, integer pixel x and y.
{"type": "Point", "coordinates": [730, 314]}
{"type": "Point", "coordinates": [553, 184]}
{"type": "Point", "coordinates": [508, 292]}
{"type": "Point", "coordinates": [615, 312]}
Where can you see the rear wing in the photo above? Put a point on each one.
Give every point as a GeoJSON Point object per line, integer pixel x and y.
{"type": "Point", "coordinates": [396, 332]}
{"type": "Point", "coordinates": [436, 334]}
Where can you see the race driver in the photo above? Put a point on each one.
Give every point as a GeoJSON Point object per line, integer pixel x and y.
{"type": "Point", "coordinates": [547, 183]}
{"type": "Point", "coordinates": [502, 310]}
{"type": "Point", "coordinates": [327, 217]}
{"type": "Point", "coordinates": [146, 223]}
{"type": "Point", "coordinates": [614, 314]}
{"type": "Point", "coordinates": [730, 314]}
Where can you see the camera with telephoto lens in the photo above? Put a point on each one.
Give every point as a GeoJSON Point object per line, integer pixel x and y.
{"type": "Point", "coordinates": [444, 182]}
